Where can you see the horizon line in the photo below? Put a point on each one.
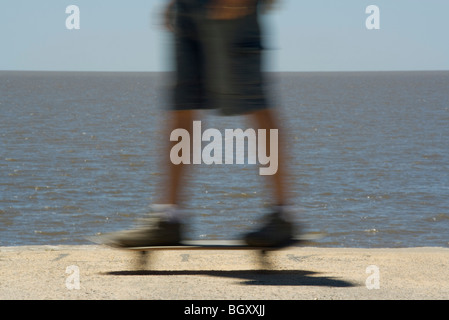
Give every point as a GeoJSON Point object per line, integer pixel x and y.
{"type": "Point", "coordinates": [265, 71]}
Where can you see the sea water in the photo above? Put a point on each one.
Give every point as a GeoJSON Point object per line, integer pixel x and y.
{"type": "Point", "coordinates": [368, 158]}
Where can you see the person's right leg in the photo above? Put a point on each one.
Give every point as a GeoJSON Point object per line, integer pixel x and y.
{"type": "Point", "coordinates": [278, 228]}
{"type": "Point", "coordinates": [235, 52]}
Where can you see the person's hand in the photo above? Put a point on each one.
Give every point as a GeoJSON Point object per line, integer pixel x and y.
{"type": "Point", "coordinates": [230, 9]}
{"type": "Point", "coordinates": [169, 15]}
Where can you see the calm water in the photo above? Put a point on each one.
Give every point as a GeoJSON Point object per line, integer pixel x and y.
{"type": "Point", "coordinates": [369, 158]}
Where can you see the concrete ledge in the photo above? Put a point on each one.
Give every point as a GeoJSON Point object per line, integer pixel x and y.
{"type": "Point", "coordinates": [95, 272]}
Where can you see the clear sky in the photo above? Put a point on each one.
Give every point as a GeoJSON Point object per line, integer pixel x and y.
{"type": "Point", "coordinates": [302, 35]}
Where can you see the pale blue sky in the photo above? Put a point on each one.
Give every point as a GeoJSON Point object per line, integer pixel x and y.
{"type": "Point", "coordinates": [312, 35]}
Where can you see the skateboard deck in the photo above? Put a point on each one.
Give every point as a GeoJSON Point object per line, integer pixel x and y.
{"type": "Point", "coordinates": [141, 262]}
{"type": "Point", "coordinates": [227, 244]}
{"type": "Point", "coordinates": [144, 252]}
{"type": "Point", "coordinates": [211, 244]}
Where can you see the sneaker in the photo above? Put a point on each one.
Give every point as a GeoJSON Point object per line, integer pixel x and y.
{"type": "Point", "coordinates": [152, 232]}
{"type": "Point", "coordinates": [276, 232]}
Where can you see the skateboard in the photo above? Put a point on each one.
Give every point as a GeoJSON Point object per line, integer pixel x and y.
{"type": "Point", "coordinates": [144, 252]}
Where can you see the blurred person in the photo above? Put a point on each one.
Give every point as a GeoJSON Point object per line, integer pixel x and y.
{"type": "Point", "coordinates": [218, 56]}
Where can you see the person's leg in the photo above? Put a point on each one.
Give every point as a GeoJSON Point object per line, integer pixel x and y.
{"type": "Point", "coordinates": [279, 228]}
{"type": "Point", "coordinates": [265, 119]}
{"type": "Point", "coordinates": [234, 54]}
{"type": "Point", "coordinates": [174, 173]}
{"type": "Point", "coordinates": [164, 225]}
{"type": "Point", "coordinates": [187, 97]}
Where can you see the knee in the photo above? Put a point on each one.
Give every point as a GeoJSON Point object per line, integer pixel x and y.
{"type": "Point", "coordinates": [182, 119]}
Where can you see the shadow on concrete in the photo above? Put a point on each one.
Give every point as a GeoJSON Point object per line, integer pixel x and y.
{"type": "Point", "coordinates": [251, 277]}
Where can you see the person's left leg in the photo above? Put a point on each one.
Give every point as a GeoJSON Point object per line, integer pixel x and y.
{"type": "Point", "coordinates": [265, 119]}
{"type": "Point", "coordinates": [173, 184]}
{"type": "Point", "coordinates": [164, 226]}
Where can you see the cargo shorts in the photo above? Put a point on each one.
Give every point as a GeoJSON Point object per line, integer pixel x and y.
{"type": "Point", "coordinates": [217, 62]}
